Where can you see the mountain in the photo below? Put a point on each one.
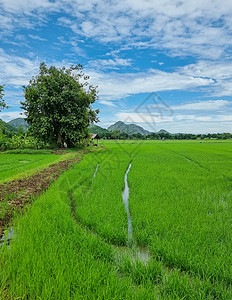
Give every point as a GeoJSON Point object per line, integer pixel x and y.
{"type": "Point", "coordinates": [97, 129]}
{"type": "Point", "coordinates": [127, 128]}
{"type": "Point", "coordinates": [19, 121]}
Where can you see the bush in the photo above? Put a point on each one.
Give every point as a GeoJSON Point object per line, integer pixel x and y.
{"type": "Point", "coordinates": [18, 142]}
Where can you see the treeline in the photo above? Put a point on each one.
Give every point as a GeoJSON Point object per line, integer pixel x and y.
{"type": "Point", "coordinates": [159, 136]}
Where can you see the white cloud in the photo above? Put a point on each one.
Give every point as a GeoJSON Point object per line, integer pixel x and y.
{"type": "Point", "coordinates": [36, 37]}
{"type": "Point", "coordinates": [143, 118]}
{"type": "Point", "coordinates": [115, 86]}
{"type": "Point", "coordinates": [16, 70]}
{"type": "Point", "coordinates": [107, 102]}
{"type": "Point", "coordinates": [10, 115]}
{"type": "Point", "coordinates": [27, 6]}
{"type": "Point", "coordinates": [109, 63]}
{"type": "Point", "coordinates": [207, 105]}
{"type": "Point", "coordinates": [220, 72]}
{"type": "Point", "coordinates": [181, 27]}
{"type": "Point", "coordinates": [183, 118]}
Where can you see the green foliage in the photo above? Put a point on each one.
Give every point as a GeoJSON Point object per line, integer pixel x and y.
{"type": "Point", "coordinates": [102, 132]}
{"type": "Point", "coordinates": [22, 141]}
{"type": "Point", "coordinates": [7, 129]}
{"type": "Point", "coordinates": [20, 130]}
{"type": "Point", "coordinates": [58, 105]}
{"type": "Point", "coordinates": [2, 101]}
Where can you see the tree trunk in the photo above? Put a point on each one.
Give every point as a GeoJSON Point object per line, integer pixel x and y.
{"type": "Point", "coordinates": [60, 140]}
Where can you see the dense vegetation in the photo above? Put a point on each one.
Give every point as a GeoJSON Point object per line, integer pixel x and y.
{"type": "Point", "coordinates": [73, 241]}
{"type": "Point", "coordinates": [2, 101]}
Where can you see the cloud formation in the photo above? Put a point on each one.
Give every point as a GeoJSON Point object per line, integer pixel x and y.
{"type": "Point", "coordinates": [203, 116]}
{"type": "Point", "coordinates": [202, 28]}
{"type": "Point", "coordinates": [16, 70]}
{"type": "Point", "coordinates": [114, 86]}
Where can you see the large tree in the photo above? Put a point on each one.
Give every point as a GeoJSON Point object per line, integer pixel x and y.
{"type": "Point", "coordinates": [2, 102]}
{"type": "Point", "coordinates": [58, 105]}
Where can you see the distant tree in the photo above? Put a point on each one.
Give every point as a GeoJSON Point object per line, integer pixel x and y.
{"type": "Point", "coordinates": [115, 134]}
{"type": "Point", "coordinates": [123, 136]}
{"type": "Point", "coordinates": [2, 101]}
{"type": "Point", "coordinates": [58, 105]}
{"type": "Point", "coordinates": [226, 136]}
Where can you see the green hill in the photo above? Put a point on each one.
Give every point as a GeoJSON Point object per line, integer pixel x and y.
{"type": "Point", "coordinates": [163, 131]}
{"type": "Point", "coordinates": [97, 129]}
{"type": "Point", "coordinates": [17, 122]}
{"type": "Point", "coordinates": [102, 132]}
{"type": "Point", "coordinates": [128, 128]}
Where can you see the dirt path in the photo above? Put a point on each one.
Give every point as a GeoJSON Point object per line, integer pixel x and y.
{"type": "Point", "coordinates": [14, 195]}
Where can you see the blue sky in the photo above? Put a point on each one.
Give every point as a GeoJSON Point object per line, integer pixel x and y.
{"type": "Point", "coordinates": [159, 64]}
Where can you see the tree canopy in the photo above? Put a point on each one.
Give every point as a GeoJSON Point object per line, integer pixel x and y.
{"type": "Point", "coordinates": [2, 101]}
{"type": "Point", "coordinates": [58, 105]}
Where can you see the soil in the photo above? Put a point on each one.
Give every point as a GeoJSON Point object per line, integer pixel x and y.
{"type": "Point", "coordinates": [20, 192]}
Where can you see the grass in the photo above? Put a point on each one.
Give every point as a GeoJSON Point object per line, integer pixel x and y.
{"type": "Point", "coordinates": [72, 242]}
{"type": "Point", "coordinates": [98, 201]}
{"type": "Point", "coordinates": [67, 261]}
{"type": "Point", "coordinates": [186, 198]}
{"type": "Point", "coordinates": [15, 164]}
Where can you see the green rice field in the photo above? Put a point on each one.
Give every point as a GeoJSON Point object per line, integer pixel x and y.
{"type": "Point", "coordinates": [15, 164]}
{"type": "Point", "coordinates": [73, 242]}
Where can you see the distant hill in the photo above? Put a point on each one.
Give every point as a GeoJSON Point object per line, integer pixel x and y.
{"type": "Point", "coordinates": [163, 131]}
{"type": "Point", "coordinates": [97, 129]}
{"type": "Point", "coordinates": [127, 128]}
{"type": "Point", "coordinates": [19, 121]}
{"type": "Point", "coordinates": [7, 128]}
{"type": "Point", "coordinates": [123, 128]}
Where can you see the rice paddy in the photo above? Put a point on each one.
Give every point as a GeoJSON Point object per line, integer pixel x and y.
{"type": "Point", "coordinates": [74, 243]}
{"type": "Point", "coordinates": [16, 164]}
